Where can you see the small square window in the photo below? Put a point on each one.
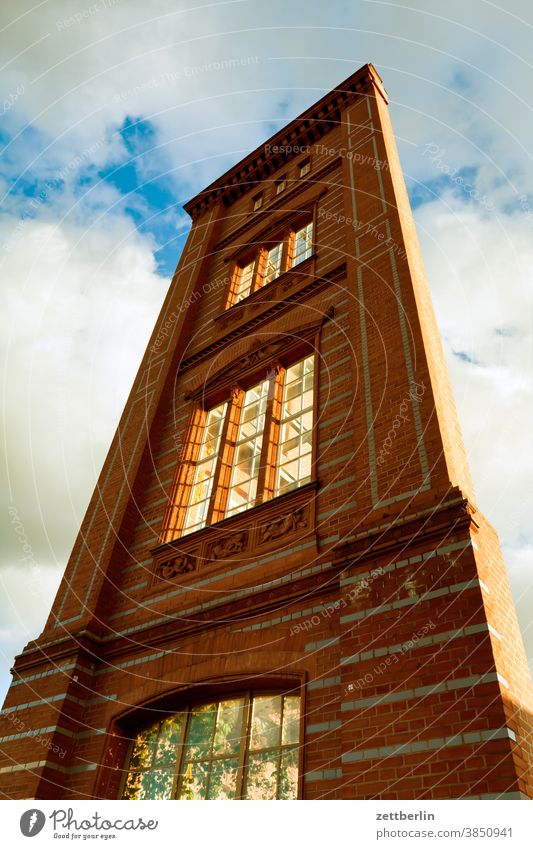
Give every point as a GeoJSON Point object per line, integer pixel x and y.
{"type": "Point", "coordinates": [305, 167]}
{"type": "Point", "coordinates": [257, 201]}
{"type": "Point", "coordinates": [281, 185]}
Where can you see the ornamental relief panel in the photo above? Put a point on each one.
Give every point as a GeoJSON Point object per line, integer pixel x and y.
{"type": "Point", "coordinates": [268, 528]}
{"type": "Point", "coordinates": [283, 526]}
{"type": "Point", "coordinates": [172, 567]}
{"type": "Point", "coordinates": [226, 546]}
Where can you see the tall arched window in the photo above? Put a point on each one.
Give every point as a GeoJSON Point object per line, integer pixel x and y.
{"type": "Point", "coordinates": [245, 451]}
{"type": "Point", "coordinates": [239, 748]}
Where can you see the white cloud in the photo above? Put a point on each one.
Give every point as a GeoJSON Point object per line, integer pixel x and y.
{"type": "Point", "coordinates": [481, 271]}
{"type": "Point", "coordinates": [80, 308]}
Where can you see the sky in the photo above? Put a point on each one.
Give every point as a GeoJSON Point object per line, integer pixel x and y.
{"type": "Point", "coordinates": [114, 113]}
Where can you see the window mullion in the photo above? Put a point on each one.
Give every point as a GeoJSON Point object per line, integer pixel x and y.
{"type": "Point", "coordinates": [245, 738]}
{"type": "Point", "coordinates": [280, 747]}
{"type": "Point", "coordinates": [288, 247]}
{"type": "Point", "coordinates": [210, 755]}
{"type": "Point", "coordinates": [176, 786]}
{"type": "Point", "coordinates": [259, 271]}
{"type": "Point", "coordinates": [219, 492]}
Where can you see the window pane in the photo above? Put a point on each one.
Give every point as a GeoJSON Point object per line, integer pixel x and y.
{"type": "Point", "coordinates": [262, 776]}
{"type": "Point", "coordinates": [303, 244]}
{"type": "Point", "coordinates": [243, 282]}
{"type": "Point", "coordinates": [132, 786]}
{"type": "Point", "coordinates": [291, 720]}
{"type": "Point", "coordinates": [247, 457]}
{"type": "Point", "coordinates": [160, 785]}
{"type": "Point", "coordinates": [237, 503]}
{"type": "Point", "coordinates": [253, 395]}
{"type": "Point", "coordinates": [241, 487]}
{"type": "Point", "coordinates": [200, 733]}
{"type": "Point", "coordinates": [296, 437]}
{"type": "Point", "coordinates": [152, 784]}
{"type": "Point", "coordinates": [294, 388]}
{"type": "Point", "coordinates": [288, 477]}
{"type": "Point", "coordinates": [292, 430]}
{"type": "Point", "coordinates": [229, 727]}
{"type": "Point", "coordinates": [244, 457]}
{"type": "Point", "coordinates": [194, 781]}
{"type": "Point", "coordinates": [143, 748]}
{"type": "Point", "coordinates": [202, 482]}
{"type": "Point", "coordinates": [294, 372]}
{"type": "Point", "coordinates": [289, 452]}
{"type": "Point", "coordinates": [266, 718]}
{"type": "Point", "coordinates": [200, 488]}
{"type": "Point", "coordinates": [223, 779]}
{"type": "Point", "coordinates": [304, 472]}
{"type": "Point", "coordinates": [273, 263]}
{"type": "Point", "coordinates": [195, 516]}
{"type": "Point", "coordinates": [306, 421]}
{"type": "Point", "coordinates": [169, 737]}
{"type": "Point", "coordinates": [288, 775]}
{"type": "Point", "coordinates": [144, 790]}
{"type": "Point", "coordinates": [213, 427]}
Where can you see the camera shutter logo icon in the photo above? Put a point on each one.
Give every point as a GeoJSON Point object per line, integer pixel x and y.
{"type": "Point", "coordinates": [32, 822]}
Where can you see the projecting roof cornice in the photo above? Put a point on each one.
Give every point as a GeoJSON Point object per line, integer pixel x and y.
{"type": "Point", "coordinates": [306, 129]}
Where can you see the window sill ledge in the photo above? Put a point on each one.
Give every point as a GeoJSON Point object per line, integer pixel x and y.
{"type": "Point", "coordinates": [282, 522]}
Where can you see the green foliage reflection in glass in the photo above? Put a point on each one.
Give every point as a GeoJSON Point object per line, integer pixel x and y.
{"type": "Point", "coordinates": [152, 763]}
{"type": "Point", "coordinates": [237, 748]}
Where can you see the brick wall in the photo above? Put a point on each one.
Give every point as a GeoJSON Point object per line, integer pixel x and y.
{"type": "Point", "coordinates": [387, 607]}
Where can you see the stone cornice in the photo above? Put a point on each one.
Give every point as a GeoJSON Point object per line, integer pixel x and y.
{"type": "Point", "coordinates": [456, 515]}
{"type": "Point", "coordinates": [306, 129]}
{"type": "Point", "coordinates": [276, 211]}
{"type": "Point", "coordinates": [451, 517]}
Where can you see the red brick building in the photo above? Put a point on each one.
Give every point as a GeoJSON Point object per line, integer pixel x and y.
{"type": "Point", "coordinates": [283, 587]}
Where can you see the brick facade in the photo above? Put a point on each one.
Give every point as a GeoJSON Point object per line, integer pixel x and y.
{"type": "Point", "coordinates": [383, 598]}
